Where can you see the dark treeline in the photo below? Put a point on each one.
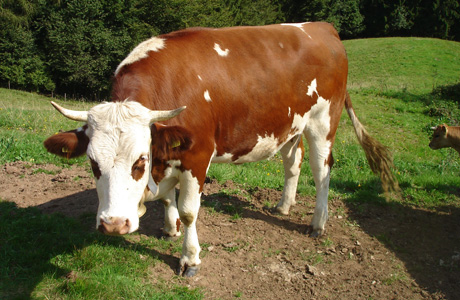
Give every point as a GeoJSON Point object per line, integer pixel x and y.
{"type": "Point", "coordinates": [73, 46]}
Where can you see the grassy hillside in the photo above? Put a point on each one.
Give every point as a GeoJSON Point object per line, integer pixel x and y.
{"type": "Point", "coordinates": [416, 65]}
{"type": "Point", "coordinates": [400, 87]}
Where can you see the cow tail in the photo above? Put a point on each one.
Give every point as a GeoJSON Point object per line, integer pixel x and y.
{"type": "Point", "coordinates": [379, 156]}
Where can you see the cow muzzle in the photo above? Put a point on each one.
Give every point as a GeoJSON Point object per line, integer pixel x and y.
{"type": "Point", "coordinates": [114, 226]}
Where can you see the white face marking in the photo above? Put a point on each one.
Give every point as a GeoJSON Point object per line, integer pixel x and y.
{"type": "Point", "coordinates": [281, 45]}
{"type": "Point", "coordinates": [119, 136]}
{"type": "Point", "coordinates": [289, 112]}
{"type": "Point", "coordinates": [219, 50]}
{"type": "Point", "coordinates": [199, 77]}
{"type": "Point", "coordinates": [298, 25]}
{"type": "Point", "coordinates": [141, 51]}
{"type": "Point", "coordinates": [207, 97]}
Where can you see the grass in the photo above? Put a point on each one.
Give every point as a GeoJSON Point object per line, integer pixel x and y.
{"type": "Point", "coordinates": [26, 120]}
{"type": "Point", "coordinates": [54, 257]}
{"type": "Point", "coordinates": [400, 87]}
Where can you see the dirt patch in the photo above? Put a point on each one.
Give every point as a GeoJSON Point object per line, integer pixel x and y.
{"type": "Point", "coordinates": [368, 251]}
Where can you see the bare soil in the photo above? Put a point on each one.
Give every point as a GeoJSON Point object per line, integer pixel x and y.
{"type": "Point", "coordinates": [368, 252]}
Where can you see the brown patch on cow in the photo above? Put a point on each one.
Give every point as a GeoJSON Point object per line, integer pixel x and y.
{"type": "Point", "coordinates": [138, 168]}
{"type": "Point", "coordinates": [169, 142]}
{"type": "Point", "coordinates": [329, 161]}
{"type": "Point", "coordinates": [95, 168]}
{"type": "Point", "coordinates": [68, 144]}
{"type": "Point", "coordinates": [302, 148]}
{"type": "Point", "coordinates": [178, 224]}
{"type": "Point", "coordinates": [158, 169]}
{"type": "Point", "coordinates": [187, 219]}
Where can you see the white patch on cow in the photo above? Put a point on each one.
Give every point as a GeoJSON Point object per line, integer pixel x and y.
{"type": "Point", "coordinates": [206, 96]}
{"type": "Point", "coordinates": [320, 111]}
{"type": "Point", "coordinates": [318, 127]}
{"type": "Point", "coordinates": [298, 123]}
{"type": "Point", "coordinates": [141, 51]}
{"type": "Point", "coordinates": [298, 25]}
{"type": "Point", "coordinates": [312, 88]}
{"type": "Point", "coordinates": [199, 77]}
{"type": "Point", "coordinates": [292, 157]}
{"type": "Point", "coordinates": [80, 129]}
{"type": "Point", "coordinates": [220, 51]}
{"type": "Point", "coordinates": [265, 148]}
{"type": "Point", "coordinates": [289, 112]}
{"type": "Point", "coordinates": [225, 158]}
{"type": "Point", "coordinates": [281, 45]}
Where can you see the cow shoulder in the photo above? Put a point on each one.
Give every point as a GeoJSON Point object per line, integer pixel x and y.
{"type": "Point", "coordinates": [68, 144]}
{"type": "Point", "coordinates": [169, 142]}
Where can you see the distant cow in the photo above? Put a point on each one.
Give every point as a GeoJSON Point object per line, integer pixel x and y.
{"type": "Point", "coordinates": [249, 91]}
{"type": "Point", "coordinates": [445, 136]}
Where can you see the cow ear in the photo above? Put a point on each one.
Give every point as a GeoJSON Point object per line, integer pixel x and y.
{"type": "Point", "coordinates": [444, 128]}
{"type": "Point", "coordinates": [68, 144]}
{"type": "Point", "coordinates": [168, 142]}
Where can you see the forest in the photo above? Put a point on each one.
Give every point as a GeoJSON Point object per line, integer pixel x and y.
{"type": "Point", "coordinates": [72, 47]}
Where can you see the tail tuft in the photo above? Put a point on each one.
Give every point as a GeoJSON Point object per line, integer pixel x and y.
{"type": "Point", "coordinates": [378, 156]}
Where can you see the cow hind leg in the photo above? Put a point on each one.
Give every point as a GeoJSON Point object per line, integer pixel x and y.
{"type": "Point", "coordinates": [171, 229]}
{"type": "Point", "coordinates": [292, 154]}
{"type": "Point", "coordinates": [320, 162]}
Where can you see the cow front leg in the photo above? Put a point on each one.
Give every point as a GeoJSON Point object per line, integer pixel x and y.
{"type": "Point", "coordinates": [292, 154]}
{"type": "Point", "coordinates": [172, 224]}
{"type": "Point", "coordinates": [189, 205]}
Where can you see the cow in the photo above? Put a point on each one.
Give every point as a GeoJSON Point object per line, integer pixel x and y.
{"type": "Point", "coordinates": [445, 136]}
{"type": "Point", "coordinates": [186, 99]}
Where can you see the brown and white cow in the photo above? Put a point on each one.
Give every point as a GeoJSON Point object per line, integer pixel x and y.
{"type": "Point", "coordinates": [249, 92]}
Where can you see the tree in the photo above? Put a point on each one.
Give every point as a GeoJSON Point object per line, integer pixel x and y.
{"type": "Point", "coordinates": [346, 17]}
{"type": "Point", "coordinates": [83, 41]}
{"type": "Point", "coordinates": [20, 62]}
{"type": "Point", "coordinates": [448, 12]}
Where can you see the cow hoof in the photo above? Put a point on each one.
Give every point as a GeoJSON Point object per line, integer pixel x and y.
{"type": "Point", "coordinates": [316, 233]}
{"type": "Point", "coordinates": [187, 271]}
{"type": "Point", "coordinates": [169, 238]}
{"type": "Point", "coordinates": [280, 211]}
{"type": "Point", "coordinates": [191, 271]}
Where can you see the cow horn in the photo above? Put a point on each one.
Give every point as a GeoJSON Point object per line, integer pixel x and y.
{"type": "Point", "coordinates": [163, 115]}
{"type": "Point", "coordinates": [75, 115]}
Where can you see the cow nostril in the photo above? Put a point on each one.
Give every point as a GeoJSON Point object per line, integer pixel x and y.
{"type": "Point", "coordinates": [117, 226]}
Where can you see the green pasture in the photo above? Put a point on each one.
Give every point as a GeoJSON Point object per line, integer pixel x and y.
{"type": "Point", "coordinates": [400, 87]}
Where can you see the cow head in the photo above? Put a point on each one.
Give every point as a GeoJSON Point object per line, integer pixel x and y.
{"type": "Point", "coordinates": [117, 140]}
{"type": "Point", "coordinates": [439, 139]}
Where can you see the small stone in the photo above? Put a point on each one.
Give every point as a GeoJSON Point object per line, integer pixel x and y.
{"type": "Point", "coordinates": [312, 270]}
